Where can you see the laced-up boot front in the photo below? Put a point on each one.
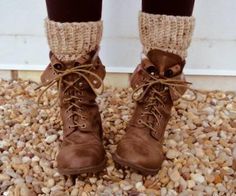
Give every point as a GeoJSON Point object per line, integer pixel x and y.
{"type": "Point", "coordinates": [82, 149]}
{"type": "Point", "coordinates": [157, 82]}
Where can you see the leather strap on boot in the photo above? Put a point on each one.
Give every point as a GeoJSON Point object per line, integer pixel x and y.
{"type": "Point", "coordinates": [88, 67]}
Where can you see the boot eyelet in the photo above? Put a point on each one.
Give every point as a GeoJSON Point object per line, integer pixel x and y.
{"type": "Point", "coordinates": [169, 73]}
{"type": "Point", "coordinates": [139, 121]}
{"type": "Point", "coordinates": [83, 126]}
{"type": "Point", "coordinates": [58, 66]}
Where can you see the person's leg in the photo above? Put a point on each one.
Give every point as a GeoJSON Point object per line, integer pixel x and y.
{"type": "Point", "coordinates": [74, 31]}
{"type": "Point", "coordinates": [168, 7]}
{"type": "Point", "coordinates": [166, 28]}
{"type": "Point", "coordinates": [74, 10]}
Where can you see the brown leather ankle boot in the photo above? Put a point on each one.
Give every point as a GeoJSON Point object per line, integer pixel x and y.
{"type": "Point", "coordinates": [82, 149]}
{"type": "Point", "coordinates": [157, 82]}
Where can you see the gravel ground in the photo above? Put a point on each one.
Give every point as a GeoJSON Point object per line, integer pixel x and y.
{"type": "Point", "coordinates": [199, 142]}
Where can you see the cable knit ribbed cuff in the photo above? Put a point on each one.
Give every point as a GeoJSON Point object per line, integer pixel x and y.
{"type": "Point", "coordinates": [164, 32]}
{"type": "Point", "coordinates": [70, 41]}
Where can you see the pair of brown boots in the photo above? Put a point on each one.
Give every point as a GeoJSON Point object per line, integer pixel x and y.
{"type": "Point", "coordinates": [157, 83]}
{"type": "Point", "coordinates": [79, 73]}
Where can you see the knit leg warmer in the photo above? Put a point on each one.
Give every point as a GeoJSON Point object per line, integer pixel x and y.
{"type": "Point", "coordinates": [165, 32]}
{"type": "Point", "coordinates": [70, 41]}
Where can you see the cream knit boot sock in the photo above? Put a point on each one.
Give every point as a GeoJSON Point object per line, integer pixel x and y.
{"type": "Point", "coordinates": [167, 33]}
{"type": "Point", "coordinates": [70, 41]}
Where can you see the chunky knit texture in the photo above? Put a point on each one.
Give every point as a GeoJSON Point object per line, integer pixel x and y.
{"type": "Point", "coordinates": [70, 41]}
{"type": "Point", "coordinates": [164, 32]}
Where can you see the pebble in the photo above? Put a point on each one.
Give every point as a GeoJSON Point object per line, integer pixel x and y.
{"type": "Point", "coordinates": [198, 178]}
{"type": "Point", "coordinates": [50, 182]}
{"type": "Point", "coordinates": [199, 152]}
{"type": "Point", "coordinates": [198, 142]}
{"type": "Point", "coordinates": [174, 175]}
{"type": "Point", "coordinates": [26, 159]}
{"type": "Point", "coordinates": [51, 138]}
{"type": "Point", "coordinates": [35, 159]}
{"type": "Point", "coordinates": [136, 177]}
{"type": "Point", "coordinates": [87, 188]}
{"type": "Point", "coordinates": [4, 177]}
{"type": "Point", "coordinates": [191, 184]}
{"type": "Point", "coordinates": [92, 180]}
{"type": "Point", "coordinates": [172, 154]}
{"type": "Point", "coordinates": [234, 158]}
{"type": "Point", "coordinates": [74, 192]}
{"type": "Point", "coordinates": [139, 186]}
{"type": "Point", "coordinates": [45, 190]}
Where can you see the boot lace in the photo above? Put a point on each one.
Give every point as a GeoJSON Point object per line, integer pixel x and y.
{"type": "Point", "coordinates": [154, 96]}
{"type": "Point", "coordinates": [75, 102]}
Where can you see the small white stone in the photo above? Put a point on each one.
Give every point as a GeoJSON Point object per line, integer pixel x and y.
{"type": "Point", "coordinates": [20, 144]}
{"type": "Point", "coordinates": [163, 191]}
{"type": "Point", "coordinates": [209, 110]}
{"type": "Point", "coordinates": [92, 180]}
{"type": "Point", "coordinates": [3, 144]}
{"type": "Point", "coordinates": [139, 186]}
{"type": "Point", "coordinates": [45, 190]}
{"type": "Point", "coordinates": [198, 178]}
{"type": "Point", "coordinates": [35, 159]}
{"type": "Point", "coordinates": [50, 183]}
{"type": "Point", "coordinates": [51, 138]}
{"type": "Point", "coordinates": [171, 143]}
{"type": "Point", "coordinates": [26, 159]}
{"type": "Point", "coordinates": [172, 154]}
{"type": "Point", "coordinates": [127, 187]}
{"type": "Point", "coordinates": [191, 184]}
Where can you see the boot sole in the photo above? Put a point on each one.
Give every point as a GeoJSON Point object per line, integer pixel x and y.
{"type": "Point", "coordinates": [78, 171]}
{"type": "Point", "coordinates": [144, 171]}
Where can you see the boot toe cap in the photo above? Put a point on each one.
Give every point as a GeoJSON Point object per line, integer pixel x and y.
{"type": "Point", "coordinates": [140, 155]}
{"type": "Point", "coordinates": [80, 159]}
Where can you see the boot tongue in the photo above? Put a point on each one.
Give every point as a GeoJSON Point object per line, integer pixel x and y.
{"type": "Point", "coordinates": [164, 60]}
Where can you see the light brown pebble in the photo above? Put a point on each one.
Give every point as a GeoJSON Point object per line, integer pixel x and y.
{"type": "Point", "coordinates": [136, 177]}
{"type": "Point", "coordinates": [174, 175]}
{"type": "Point", "coordinates": [87, 188]}
{"type": "Point", "coordinates": [171, 154]}
{"type": "Point", "coordinates": [4, 177]}
{"type": "Point", "coordinates": [50, 183]}
{"type": "Point", "coordinates": [75, 192]}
